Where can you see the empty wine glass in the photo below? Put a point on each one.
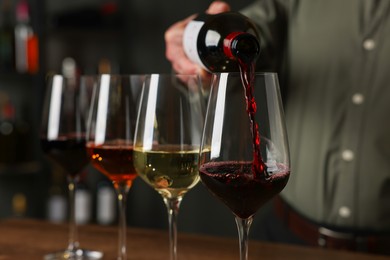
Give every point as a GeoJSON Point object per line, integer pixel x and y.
{"type": "Point", "coordinates": [63, 130]}
{"type": "Point", "coordinates": [111, 128]}
{"type": "Point", "coordinates": [244, 158]}
{"type": "Point", "coordinates": [167, 139]}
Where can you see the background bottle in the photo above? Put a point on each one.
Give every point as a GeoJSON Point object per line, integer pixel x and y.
{"type": "Point", "coordinates": [106, 211]}
{"type": "Point", "coordinates": [57, 202]}
{"type": "Point", "coordinates": [216, 41]}
{"type": "Point", "coordinates": [83, 200]}
{"type": "Point", "coordinates": [26, 41]}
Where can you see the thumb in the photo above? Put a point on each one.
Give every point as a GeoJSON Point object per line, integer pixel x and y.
{"type": "Point", "coordinates": [218, 7]}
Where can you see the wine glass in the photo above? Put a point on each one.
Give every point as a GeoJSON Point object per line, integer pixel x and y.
{"type": "Point", "coordinates": [167, 139]}
{"type": "Point", "coordinates": [244, 158]}
{"type": "Point", "coordinates": [63, 130]}
{"type": "Point", "coordinates": [110, 134]}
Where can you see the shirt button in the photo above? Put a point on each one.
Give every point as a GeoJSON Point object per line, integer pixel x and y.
{"type": "Point", "coordinates": [347, 155]}
{"type": "Point", "coordinates": [344, 212]}
{"type": "Point", "coordinates": [369, 44]}
{"type": "Point", "coordinates": [357, 99]}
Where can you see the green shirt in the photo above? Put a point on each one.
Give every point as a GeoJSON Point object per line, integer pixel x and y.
{"type": "Point", "coordinates": [333, 59]}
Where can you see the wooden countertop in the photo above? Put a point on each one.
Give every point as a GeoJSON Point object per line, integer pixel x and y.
{"type": "Point", "coordinates": [32, 239]}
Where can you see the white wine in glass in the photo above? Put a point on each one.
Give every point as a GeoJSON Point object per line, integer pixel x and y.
{"type": "Point", "coordinates": [167, 139]}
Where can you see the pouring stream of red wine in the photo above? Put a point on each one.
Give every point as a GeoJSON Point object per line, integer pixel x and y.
{"type": "Point", "coordinates": [247, 65]}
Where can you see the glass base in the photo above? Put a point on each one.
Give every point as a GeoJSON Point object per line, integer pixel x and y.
{"type": "Point", "coordinates": [78, 254]}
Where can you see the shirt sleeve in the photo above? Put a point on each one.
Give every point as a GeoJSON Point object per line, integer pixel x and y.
{"type": "Point", "coordinates": [271, 17]}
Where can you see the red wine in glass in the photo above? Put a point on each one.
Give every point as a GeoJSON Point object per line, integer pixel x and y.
{"type": "Point", "coordinates": [63, 139]}
{"type": "Point", "coordinates": [67, 151]}
{"type": "Point", "coordinates": [244, 157]}
{"type": "Point", "coordinates": [235, 184]}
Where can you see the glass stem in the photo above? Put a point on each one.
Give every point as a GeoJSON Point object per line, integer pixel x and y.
{"type": "Point", "coordinates": [173, 205]}
{"type": "Point", "coordinates": [73, 244]}
{"type": "Point", "coordinates": [122, 190]}
{"type": "Point", "coordinates": [243, 226]}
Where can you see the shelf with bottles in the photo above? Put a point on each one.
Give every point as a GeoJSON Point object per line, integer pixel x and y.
{"type": "Point", "coordinates": [20, 87]}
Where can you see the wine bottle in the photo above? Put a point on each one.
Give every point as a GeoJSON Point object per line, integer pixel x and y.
{"type": "Point", "coordinates": [216, 42]}
{"type": "Point", "coordinates": [106, 212]}
{"type": "Point", "coordinates": [83, 204]}
{"type": "Point", "coordinates": [57, 201]}
{"type": "Point", "coordinates": [26, 41]}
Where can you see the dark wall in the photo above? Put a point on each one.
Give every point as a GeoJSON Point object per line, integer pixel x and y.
{"type": "Point", "coordinates": [132, 36]}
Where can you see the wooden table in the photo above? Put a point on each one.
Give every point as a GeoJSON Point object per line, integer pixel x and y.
{"type": "Point", "coordinates": [31, 239]}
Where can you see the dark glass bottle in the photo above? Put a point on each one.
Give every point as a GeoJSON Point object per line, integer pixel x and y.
{"type": "Point", "coordinates": [217, 41]}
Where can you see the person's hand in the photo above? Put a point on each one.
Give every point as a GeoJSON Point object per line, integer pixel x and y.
{"type": "Point", "coordinates": [174, 43]}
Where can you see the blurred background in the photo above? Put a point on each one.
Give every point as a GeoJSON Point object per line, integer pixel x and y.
{"type": "Point", "coordinates": [87, 37]}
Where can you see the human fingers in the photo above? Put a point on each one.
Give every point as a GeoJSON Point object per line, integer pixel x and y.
{"type": "Point", "coordinates": [174, 51]}
{"type": "Point", "coordinates": [217, 7]}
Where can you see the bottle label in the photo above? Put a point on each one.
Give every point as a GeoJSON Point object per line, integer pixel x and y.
{"type": "Point", "coordinates": [190, 41]}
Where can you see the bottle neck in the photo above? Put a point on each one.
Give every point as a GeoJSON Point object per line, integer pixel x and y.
{"type": "Point", "coordinates": [241, 45]}
{"type": "Point", "coordinates": [22, 12]}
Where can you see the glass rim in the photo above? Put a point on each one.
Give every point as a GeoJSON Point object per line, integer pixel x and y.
{"type": "Point", "coordinates": [142, 74]}
{"type": "Point", "coordinates": [237, 73]}
{"type": "Point", "coordinates": [172, 74]}
{"type": "Point", "coordinates": [125, 75]}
